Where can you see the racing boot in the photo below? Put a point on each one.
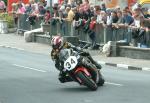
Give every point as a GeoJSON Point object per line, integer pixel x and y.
{"type": "Point", "coordinates": [98, 65]}
{"type": "Point", "coordinates": [101, 79]}
{"type": "Point", "coordinates": [64, 78]}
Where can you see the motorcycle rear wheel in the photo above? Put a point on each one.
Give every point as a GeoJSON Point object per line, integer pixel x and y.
{"type": "Point", "coordinates": [101, 80]}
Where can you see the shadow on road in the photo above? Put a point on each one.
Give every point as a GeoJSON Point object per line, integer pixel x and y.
{"type": "Point", "coordinates": [78, 89]}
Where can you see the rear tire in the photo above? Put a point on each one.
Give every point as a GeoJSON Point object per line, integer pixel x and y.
{"type": "Point", "coordinates": [101, 80]}
{"type": "Point", "coordinates": [87, 81]}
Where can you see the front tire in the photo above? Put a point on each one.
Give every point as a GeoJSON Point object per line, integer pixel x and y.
{"type": "Point", "coordinates": [87, 81]}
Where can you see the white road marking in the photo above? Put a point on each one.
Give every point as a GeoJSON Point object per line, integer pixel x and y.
{"type": "Point", "coordinates": [5, 46]}
{"type": "Point", "coordinates": [146, 69]}
{"type": "Point", "coordinates": [17, 48]}
{"type": "Point", "coordinates": [29, 68]}
{"type": "Point", "coordinates": [116, 84]}
{"type": "Point", "coordinates": [101, 62]}
{"type": "Point", "coordinates": [123, 66]}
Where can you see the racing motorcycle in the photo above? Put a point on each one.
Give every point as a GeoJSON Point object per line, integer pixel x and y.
{"type": "Point", "coordinates": [72, 62]}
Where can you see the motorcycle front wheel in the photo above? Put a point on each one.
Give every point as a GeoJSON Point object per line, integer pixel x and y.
{"type": "Point", "coordinates": [87, 81]}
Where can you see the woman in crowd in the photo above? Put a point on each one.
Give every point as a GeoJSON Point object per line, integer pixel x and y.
{"type": "Point", "coordinates": [21, 9]}
{"type": "Point", "coordinates": [14, 12]}
{"type": "Point", "coordinates": [33, 15]}
{"type": "Point", "coordinates": [2, 6]}
{"type": "Point", "coordinates": [47, 17]}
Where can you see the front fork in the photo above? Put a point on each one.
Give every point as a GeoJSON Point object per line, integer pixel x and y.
{"type": "Point", "coordinates": [83, 70]}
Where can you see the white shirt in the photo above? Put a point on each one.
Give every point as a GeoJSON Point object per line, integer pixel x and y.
{"type": "Point", "coordinates": [109, 20]}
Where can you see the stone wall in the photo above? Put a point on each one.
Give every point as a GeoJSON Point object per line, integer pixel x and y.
{"type": "Point", "coordinates": [133, 52]}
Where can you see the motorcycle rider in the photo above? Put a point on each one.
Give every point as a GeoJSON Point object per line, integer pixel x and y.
{"type": "Point", "coordinates": [58, 44]}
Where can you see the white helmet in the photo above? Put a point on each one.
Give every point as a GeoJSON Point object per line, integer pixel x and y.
{"type": "Point", "coordinates": [56, 42]}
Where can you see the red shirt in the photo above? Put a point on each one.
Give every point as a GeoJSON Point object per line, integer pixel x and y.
{"type": "Point", "coordinates": [92, 24]}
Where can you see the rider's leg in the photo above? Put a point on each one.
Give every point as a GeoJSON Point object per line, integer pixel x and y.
{"type": "Point", "coordinates": [94, 62]}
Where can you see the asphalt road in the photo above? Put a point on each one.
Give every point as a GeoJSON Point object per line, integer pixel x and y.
{"type": "Point", "coordinates": [27, 77]}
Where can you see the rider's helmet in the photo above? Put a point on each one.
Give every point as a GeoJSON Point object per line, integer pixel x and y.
{"type": "Point", "coordinates": [57, 42]}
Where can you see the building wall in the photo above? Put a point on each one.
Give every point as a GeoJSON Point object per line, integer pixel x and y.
{"type": "Point", "coordinates": [109, 3]}
{"type": "Point", "coordinates": [113, 3]}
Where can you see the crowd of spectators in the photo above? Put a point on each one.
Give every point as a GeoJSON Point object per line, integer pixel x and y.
{"type": "Point", "coordinates": [33, 9]}
{"type": "Point", "coordinates": [80, 13]}
{"type": "Point", "coordinates": [84, 15]}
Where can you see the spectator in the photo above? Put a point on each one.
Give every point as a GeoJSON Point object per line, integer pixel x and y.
{"type": "Point", "coordinates": [77, 15]}
{"type": "Point", "coordinates": [119, 25]}
{"type": "Point", "coordinates": [101, 16]}
{"type": "Point", "coordinates": [65, 1]}
{"type": "Point", "coordinates": [55, 12]}
{"type": "Point", "coordinates": [32, 2]}
{"type": "Point", "coordinates": [127, 19]}
{"type": "Point", "coordinates": [47, 17]}
{"type": "Point", "coordinates": [117, 8]}
{"type": "Point", "coordinates": [71, 15]}
{"type": "Point", "coordinates": [63, 13]}
{"type": "Point", "coordinates": [128, 11]}
{"type": "Point", "coordinates": [104, 17]}
{"type": "Point", "coordinates": [103, 7]}
{"type": "Point", "coordinates": [72, 3]}
{"type": "Point", "coordinates": [92, 33]}
{"type": "Point", "coordinates": [2, 6]}
{"type": "Point", "coordinates": [21, 9]}
{"type": "Point", "coordinates": [138, 30]}
{"type": "Point", "coordinates": [14, 12]}
{"type": "Point", "coordinates": [42, 10]}
{"type": "Point", "coordinates": [44, 3]}
{"type": "Point", "coordinates": [146, 13]}
{"type": "Point", "coordinates": [33, 15]}
{"type": "Point", "coordinates": [92, 12]}
{"type": "Point", "coordinates": [98, 14]}
{"type": "Point", "coordinates": [77, 19]}
{"type": "Point", "coordinates": [120, 17]}
{"type": "Point", "coordinates": [137, 18]}
{"type": "Point", "coordinates": [114, 20]}
{"type": "Point", "coordinates": [87, 14]}
{"type": "Point", "coordinates": [78, 2]}
{"type": "Point", "coordinates": [28, 8]}
{"type": "Point", "coordinates": [66, 12]}
{"type": "Point", "coordinates": [120, 22]}
{"type": "Point", "coordinates": [86, 5]}
{"type": "Point", "coordinates": [114, 17]}
{"type": "Point", "coordinates": [34, 11]}
{"type": "Point", "coordinates": [109, 17]}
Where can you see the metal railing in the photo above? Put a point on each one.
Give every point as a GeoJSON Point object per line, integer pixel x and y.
{"type": "Point", "coordinates": [65, 28]}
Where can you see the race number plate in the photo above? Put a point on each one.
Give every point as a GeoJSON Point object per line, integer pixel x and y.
{"type": "Point", "coordinates": [70, 63]}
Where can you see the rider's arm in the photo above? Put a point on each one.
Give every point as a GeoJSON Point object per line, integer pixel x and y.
{"type": "Point", "coordinates": [55, 58]}
{"type": "Point", "coordinates": [53, 55]}
{"type": "Point", "coordinates": [69, 45]}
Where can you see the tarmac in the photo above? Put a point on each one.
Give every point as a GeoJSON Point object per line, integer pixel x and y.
{"type": "Point", "coordinates": [12, 40]}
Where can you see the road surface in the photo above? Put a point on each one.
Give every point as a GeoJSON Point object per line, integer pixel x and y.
{"type": "Point", "coordinates": [27, 77]}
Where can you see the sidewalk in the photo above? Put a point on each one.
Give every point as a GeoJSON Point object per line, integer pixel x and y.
{"type": "Point", "coordinates": [18, 42]}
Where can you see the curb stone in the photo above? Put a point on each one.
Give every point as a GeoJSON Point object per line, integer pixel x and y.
{"type": "Point", "coordinates": [124, 66]}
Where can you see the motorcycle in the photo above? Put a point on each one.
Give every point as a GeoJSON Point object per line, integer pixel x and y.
{"type": "Point", "coordinates": [72, 62]}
